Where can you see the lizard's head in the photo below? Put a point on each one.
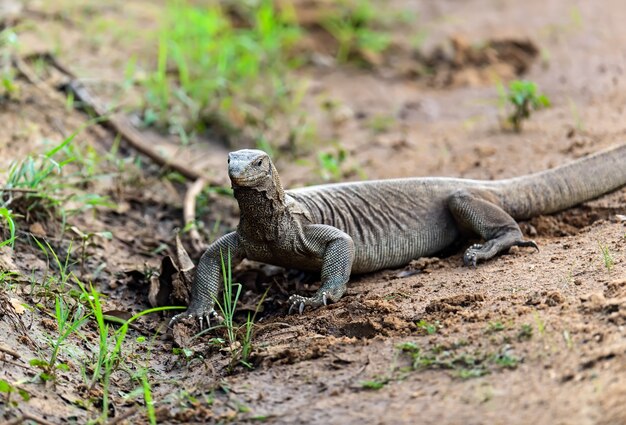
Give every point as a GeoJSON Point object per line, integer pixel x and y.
{"type": "Point", "coordinates": [250, 168]}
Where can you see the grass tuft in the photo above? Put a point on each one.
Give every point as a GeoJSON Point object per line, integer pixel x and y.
{"type": "Point", "coordinates": [524, 97]}
{"type": "Point", "coordinates": [607, 257]}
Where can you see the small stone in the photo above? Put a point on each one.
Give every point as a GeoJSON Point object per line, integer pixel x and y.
{"type": "Point", "coordinates": [37, 229]}
{"type": "Point", "coordinates": [554, 298]}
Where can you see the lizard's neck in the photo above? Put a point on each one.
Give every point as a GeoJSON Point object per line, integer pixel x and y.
{"type": "Point", "coordinates": [255, 203]}
{"type": "Point", "coordinates": [262, 209]}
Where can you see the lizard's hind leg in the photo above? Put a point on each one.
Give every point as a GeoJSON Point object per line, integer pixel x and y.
{"type": "Point", "coordinates": [480, 213]}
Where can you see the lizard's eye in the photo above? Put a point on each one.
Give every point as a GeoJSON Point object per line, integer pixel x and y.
{"type": "Point", "coordinates": [259, 162]}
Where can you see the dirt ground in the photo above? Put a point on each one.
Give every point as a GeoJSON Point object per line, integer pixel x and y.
{"type": "Point", "coordinates": [530, 337]}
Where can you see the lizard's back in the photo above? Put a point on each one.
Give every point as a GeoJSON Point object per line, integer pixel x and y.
{"type": "Point", "coordinates": [391, 221]}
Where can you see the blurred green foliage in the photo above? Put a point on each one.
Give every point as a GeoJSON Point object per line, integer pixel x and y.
{"type": "Point", "coordinates": [355, 25]}
{"type": "Point", "coordinates": [212, 74]}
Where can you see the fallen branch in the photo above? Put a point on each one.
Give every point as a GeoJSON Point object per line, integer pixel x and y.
{"type": "Point", "coordinates": [189, 214]}
{"type": "Point", "coordinates": [122, 126]}
{"type": "Point", "coordinates": [119, 124]}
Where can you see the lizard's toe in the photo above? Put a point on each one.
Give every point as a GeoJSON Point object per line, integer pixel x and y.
{"type": "Point", "coordinates": [528, 243]}
{"type": "Point", "coordinates": [208, 316]}
{"type": "Point", "coordinates": [471, 255]}
{"type": "Point", "coordinates": [202, 315]}
{"type": "Point", "coordinates": [296, 301]}
{"type": "Point", "coordinates": [202, 318]}
{"type": "Point", "coordinates": [177, 318]}
{"type": "Point", "coordinates": [300, 302]}
{"type": "Point", "coordinates": [482, 252]}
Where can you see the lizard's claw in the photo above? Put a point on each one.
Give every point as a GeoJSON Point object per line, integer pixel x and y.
{"type": "Point", "coordinates": [294, 301]}
{"type": "Point", "coordinates": [299, 302]}
{"type": "Point", "coordinates": [202, 315]}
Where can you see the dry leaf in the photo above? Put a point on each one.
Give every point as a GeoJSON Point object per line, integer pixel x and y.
{"type": "Point", "coordinates": [17, 305]}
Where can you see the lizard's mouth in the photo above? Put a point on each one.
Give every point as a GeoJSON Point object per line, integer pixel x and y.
{"type": "Point", "coordinates": [248, 181]}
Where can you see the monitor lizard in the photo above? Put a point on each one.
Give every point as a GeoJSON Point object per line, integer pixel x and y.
{"type": "Point", "coordinates": [359, 227]}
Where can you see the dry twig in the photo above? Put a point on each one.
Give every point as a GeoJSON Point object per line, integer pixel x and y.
{"type": "Point", "coordinates": [189, 214]}
{"type": "Point", "coordinates": [28, 417]}
{"type": "Point", "coordinates": [3, 359]}
{"type": "Point", "coordinates": [18, 190]}
{"type": "Point", "coordinates": [127, 414]}
{"type": "Point", "coordinates": [9, 352]}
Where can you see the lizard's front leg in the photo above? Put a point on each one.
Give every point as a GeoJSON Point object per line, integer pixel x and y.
{"type": "Point", "coordinates": [337, 251]}
{"type": "Point", "coordinates": [206, 284]}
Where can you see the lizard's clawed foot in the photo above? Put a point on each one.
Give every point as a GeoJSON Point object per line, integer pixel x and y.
{"type": "Point", "coordinates": [202, 315]}
{"type": "Point", "coordinates": [299, 302]}
{"type": "Point", "coordinates": [471, 255]}
{"type": "Point", "coordinates": [492, 247]}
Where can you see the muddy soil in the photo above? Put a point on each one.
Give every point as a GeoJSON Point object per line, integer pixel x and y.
{"type": "Point", "coordinates": [530, 337]}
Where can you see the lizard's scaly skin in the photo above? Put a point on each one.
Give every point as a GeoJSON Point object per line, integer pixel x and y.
{"type": "Point", "coordinates": [360, 227]}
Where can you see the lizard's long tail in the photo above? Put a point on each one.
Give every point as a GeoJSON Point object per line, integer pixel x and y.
{"type": "Point", "coordinates": [565, 186]}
